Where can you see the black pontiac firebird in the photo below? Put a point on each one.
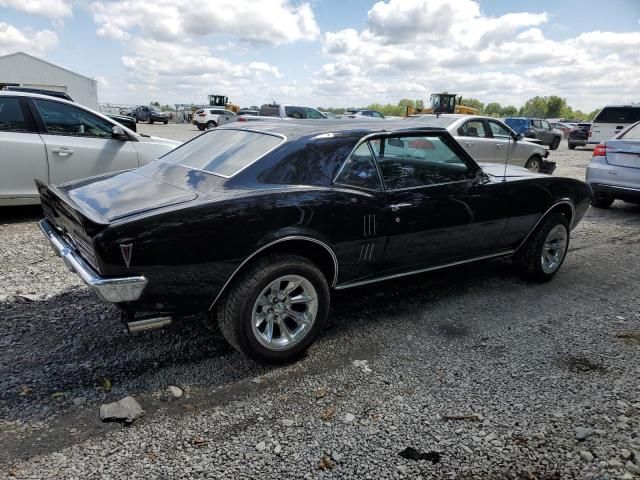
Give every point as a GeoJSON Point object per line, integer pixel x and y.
{"type": "Point", "coordinates": [258, 223]}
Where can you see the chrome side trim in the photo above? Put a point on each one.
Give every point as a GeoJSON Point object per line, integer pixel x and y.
{"type": "Point", "coordinates": [114, 290]}
{"type": "Point", "coordinates": [618, 187]}
{"type": "Point", "coordinates": [423, 270]}
{"type": "Point", "coordinates": [561, 202]}
{"type": "Point", "coordinates": [280, 240]}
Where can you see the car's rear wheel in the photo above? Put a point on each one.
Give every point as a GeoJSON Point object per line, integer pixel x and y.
{"type": "Point", "coordinates": [571, 146]}
{"type": "Point", "coordinates": [276, 309]}
{"type": "Point", "coordinates": [200, 127]}
{"type": "Point", "coordinates": [165, 122]}
{"type": "Point", "coordinates": [150, 120]}
{"type": "Point", "coordinates": [600, 200]}
{"type": "Point", "coordinates": [555, 144]}
{"type": "Point", "coordinates": [211, 124]}
{"type": "Point", "coordinates": [534, 164]}
{"type": "Point", "coordinates": [540, 258]}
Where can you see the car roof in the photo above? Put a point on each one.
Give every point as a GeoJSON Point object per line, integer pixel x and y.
{"type": "Point", "coordinates": [310, 128]}
{"type": "Point", "coordinates": [12, 93]}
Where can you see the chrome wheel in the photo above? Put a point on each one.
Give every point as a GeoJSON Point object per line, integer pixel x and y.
{"type": "Point", "coordinates": [284, 312]}
{"type": "Point", "coordinates": [554, 249]}
{"type": "Point", "coordinates": [534, 165]}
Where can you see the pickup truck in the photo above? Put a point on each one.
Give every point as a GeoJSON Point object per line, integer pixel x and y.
{"type": "Point", "coordinates": [57, 141]}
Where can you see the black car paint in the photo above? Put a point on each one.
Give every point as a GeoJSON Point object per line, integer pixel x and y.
{"type": "Point", "coordinates": [191, 230]}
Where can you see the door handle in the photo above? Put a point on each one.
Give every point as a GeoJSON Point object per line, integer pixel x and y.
{"type": "Point", "coordinates": [499, 145]}
{"type": "Point", "coordinates": [469, 144]}
{"type": "Point", "coordinates": [62, 151]}
{"type": "Point", "coordinates": [397, 206]}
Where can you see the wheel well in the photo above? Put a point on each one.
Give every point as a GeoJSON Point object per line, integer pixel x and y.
{"type": "Point", "coordinates": [565, 209]}
{"type": "Point", "coordinates": [315, 252]}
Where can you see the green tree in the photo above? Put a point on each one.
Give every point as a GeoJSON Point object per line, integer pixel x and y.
{"type": "Point", "coordinates": [419, 104]}
{"type": "Point", "coordinates": [493, 109]}
{"type": "Point", "coordinates": [534, 107]}
{"type": "Point", "coordinates": [555, 105]}
{"type": "Point", "coordinates": [508, 111]}
{"type": "Point", "coordinates": [473, 103]}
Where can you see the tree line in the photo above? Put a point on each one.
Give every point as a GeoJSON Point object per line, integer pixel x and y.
{"type": "Point", "coordinates": [539, 107]}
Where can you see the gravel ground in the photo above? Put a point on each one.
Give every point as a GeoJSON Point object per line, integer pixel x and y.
{"type": "Point", "coordinates": [484, 375]}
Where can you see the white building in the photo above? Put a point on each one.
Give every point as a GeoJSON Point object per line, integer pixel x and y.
{"type": "Point", "coordinates": [21, 69]}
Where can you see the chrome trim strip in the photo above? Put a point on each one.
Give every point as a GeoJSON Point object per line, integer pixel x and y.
{"type": "Point", "coordinates": [561, 202]}
{"type": "Point", "coordinates": [617, 187]}
{"type": "Point", "coordinates": [423, 270]}
{"type": "Point", "coordinates": [113, 290]}
{"type": "Point", "coordinates": [280, 240]}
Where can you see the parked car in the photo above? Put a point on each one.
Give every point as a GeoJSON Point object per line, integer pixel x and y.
{"type": "Point", "coordinates": [363, 113]}
{"type": "Point", "coordinates": [213, 117]}
{"type": "Point", "coordinates": [298, 209]}
{"type": "Point", "coordinates": [57, 141]}
{"type": "Point", "coordinates": [614, 171]}
{"type": "Point", "coordinates": [151, 114]}
{"type": "Point", "coordinates": [489, 140]}
{"type": "Point", "coordinates": [536, 128]}
{"type": "Point", "coordinates": [248, 111]}
{"type": "Point", "coordinates": [611, 120]}
{"type": "Point", "coordinates": [579, 135]}
{"type": "Point", "coordinates": [125, 120]}
{"type": "Point", "coordinates": [288, 111]}
{"type": "Point", "coordinates": [564, 127]}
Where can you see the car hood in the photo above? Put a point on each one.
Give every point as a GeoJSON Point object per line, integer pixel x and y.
{"type": "Point", "coordinates": [512, 171]}
{"type": "Point", "coordinates": [115, 196]}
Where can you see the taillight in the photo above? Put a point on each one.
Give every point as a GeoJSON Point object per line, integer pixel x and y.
{"type": "Point", "coordinates": [240, 119]}
{"type": "Point", "coordinates": [600, 150]}
{"type": "Point", "coordinates": [202, 114]}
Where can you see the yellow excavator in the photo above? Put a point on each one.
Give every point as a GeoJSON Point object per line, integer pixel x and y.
{"type": "Point", "coordinates": [223, 101]}
{"type": "Point", "coordinates": [443, 103]}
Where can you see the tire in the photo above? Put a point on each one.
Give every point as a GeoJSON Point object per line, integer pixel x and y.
{"type": "Point", "coordinates": [571, 146]}
{"type": "Point", "coordinates": [150, 121]}
{"type": "Point", "coordinates": [242, 303]}
{"type": "Point", "coordinates": [200, 127]}
{"type": "Point", "coordinates": [532, 258]}
{"type": "Point", "coordinates": [165, 122]}
{"type": "Point", "coordinates": [137, 120]}
{"type": "Point", "coordinates": [555, 144]}
{"type": "Point", "coordinates": [534, 164]}
{"type": "Point", "coordinates": [600, 200]}
{"type": "Point", "coordinates": [211, 124]}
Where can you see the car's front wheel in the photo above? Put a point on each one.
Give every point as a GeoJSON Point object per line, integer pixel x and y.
{"type": "Point", "coordinates": [600, 200]}
{"type": "Point", "coordinates": [540, 258]}
{"type": "Point", "coordinates": [555, 144]}
{"type": "Point", "coordinates": [571, 146]}
{"type": "Point", "coordinates": [165, 121]}
{"type": "Point", "coordinates": [276, 309]}
{"type": "Point", "coordinates": [534, 164]}
{"type": "Point", "coordinates": [211, 124]}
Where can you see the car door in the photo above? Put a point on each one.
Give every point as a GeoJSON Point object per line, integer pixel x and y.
{"type": "Point", "coordinates": [501, 139]}
{"type": "Point", "coordinates": [79, 143]}
{"type": "Point", "coordinates": [475, 137]}
{"type": "Point", "coordinates": [22, 153]}
{"type": "Point", "coordinates": [440, 206]}
{"type": "Point", "coordinates": [547, 132]}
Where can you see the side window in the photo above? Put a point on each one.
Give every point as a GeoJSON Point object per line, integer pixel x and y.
{"type": "Point", "coordinates": [416, 161]}
{"type": "Point", "coordinates": [377, 115]}
{"type": "Point", "coordinates": [545, 125]}
{"type": "Point", "coordinates": [294, 112]}
{"type": "Point", "coordinates": [63, 119]}
{"type": "Point", "coordinates": [536, 123]}
{"type": "Point", "coordinates": [473, 128]}
{"type": "Point", "coordinates": [498, 130]}
{"type": "Point", "coordinates": [11, 117]}
{"type": "Point", "coordinates": [314, 114]}
{"type": "Point", "coordinates": [359, 170]}
{"type": "Point", "coordinates": [633, 133]}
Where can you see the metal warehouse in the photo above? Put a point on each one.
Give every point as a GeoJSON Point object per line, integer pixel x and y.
{"type": "Point", "coordinates": [24, 70]}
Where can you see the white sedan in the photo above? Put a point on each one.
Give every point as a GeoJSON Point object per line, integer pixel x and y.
{"type": "Point", "coordinates": [57, 141]}
{"type": "Point", "coordinates": [489, 140]}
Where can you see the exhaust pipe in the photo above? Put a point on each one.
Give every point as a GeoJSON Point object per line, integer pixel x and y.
{"type": "Point", "coordinates": [148, 324]}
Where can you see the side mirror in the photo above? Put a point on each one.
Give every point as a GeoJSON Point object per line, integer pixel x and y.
{"type": "Point", "coordinates": [117, 133]}
{"type": "Point", "coordinates": [396, 142]}
{"type": "Point", "coordinates": [519, 137]}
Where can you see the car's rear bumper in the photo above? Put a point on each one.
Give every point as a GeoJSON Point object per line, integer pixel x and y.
{"type": "Point", "coordinates": [547, 167]}
{"type": "Point", "coordinates": [113, 290]}
{"type": "Point", "coordinates": [616, 191]}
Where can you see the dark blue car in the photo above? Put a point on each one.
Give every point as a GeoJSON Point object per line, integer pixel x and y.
{"type": "Point", "coordinates": [536, 128]}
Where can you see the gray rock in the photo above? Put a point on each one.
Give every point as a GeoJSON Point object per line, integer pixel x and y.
{"type": "Point", "coordinates": [582, 433]}
{"type": "Point", "coordinates": [337, 457]}
{"type": "Point", "coordinates": [277, 450]}
{"type": "Point", "coordinates": [626, 454]}
{"type": "Point", "coordinates": [287, 422]}
{"type": "Point", "coordinates": [261, 446]}
{"type": "Point", "coordinates": [631, 467]}
{"type": "Point", "coordinates": [79, 401]}
{"type": "Point", "coordinates": [126, 409]}
{"type": "Point", "coordinates": [174, 391]}
{"type": "Point", "coordinates": [586, 455]}
{"type": "Point", "coordinates": [402, 469]}
{"type": "Point", "coordinates": [615, 463]}
{"type": "Point", "coordinates": [349, 417]}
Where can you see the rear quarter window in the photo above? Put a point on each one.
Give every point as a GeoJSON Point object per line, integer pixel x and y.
{"type": "Point", "coordinates": [11, 117]}
{"type": "Point", "coordinates": [269, 111]}
{"type": "Point", "coordinates": [618, 115]}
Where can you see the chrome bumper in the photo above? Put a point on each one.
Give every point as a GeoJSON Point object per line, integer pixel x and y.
{"type": "Point", "coordinates": [113, 290]}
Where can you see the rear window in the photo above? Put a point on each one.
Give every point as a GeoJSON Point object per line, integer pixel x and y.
{"type": "Point", "coordinates": [618, 115]}
{"type": "Point", "coordinates": [519, 125]}
{"type": "Point", "coordinates": [270, 111]}
{"type": "Point", "coordinates": [223, 152]}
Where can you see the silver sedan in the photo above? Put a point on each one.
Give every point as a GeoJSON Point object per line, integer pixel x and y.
{"type": "Point", "coordinates": [489, 140]}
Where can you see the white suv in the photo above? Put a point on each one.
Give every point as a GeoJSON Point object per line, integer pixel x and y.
{"type": "Point", "coordinates": [611, 120]}
{"type": "Point", "coordinates": [57, 141]}
{"type": "Point", "coordinates": [212, 117]}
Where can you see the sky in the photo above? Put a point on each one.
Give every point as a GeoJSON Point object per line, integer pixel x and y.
{"type": "Point", "coordinates": [336, 53]}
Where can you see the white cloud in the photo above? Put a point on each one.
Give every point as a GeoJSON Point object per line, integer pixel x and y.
{"type": "Point", "coordinates": [48, 8]}
{"type": "Point", "coordinates": [272, 22]}
{"type": "Point", "coordinates": [27, 40]}
{"type": "Point", "coordinates": [410, 48]}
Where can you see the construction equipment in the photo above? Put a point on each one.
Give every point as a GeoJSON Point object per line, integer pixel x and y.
{"type": "Point", "coordinates": [443, 103]}
{"type": "Point", "coordinates": [223, 101]}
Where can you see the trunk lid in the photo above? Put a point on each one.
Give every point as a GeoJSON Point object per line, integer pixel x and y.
{"type": "Point", "coordinates": [623, 153]}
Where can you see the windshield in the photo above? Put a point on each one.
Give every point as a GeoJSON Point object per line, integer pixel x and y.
{"type": "Point", "coordinates": [223, 152]}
